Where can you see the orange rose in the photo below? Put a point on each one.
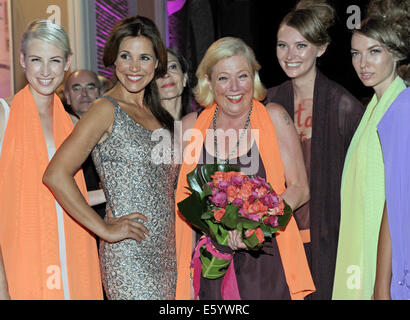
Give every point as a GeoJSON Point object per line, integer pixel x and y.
{"type": "Point", "coordinates": [231, 174]}
{"type": "Point", "coordinates": [246, 191]}
{"type": "Point", "coordinates": [245, 207]}
{"type": "Point", "coordinates": [218, 214]}
{"type": "Point", "coordinates": [259, 208]}
{"type": "Point", "coordinates": [278, 210]}
{"type": "Point", "coordinates": [262, 191]}
{"type": "Point", "coordinates": [258, 232]}
{"type": "Point", "coordinates": [260, 235]}
{"type": "Point", "coordinates": [218, 176]}
{"type": "Point", "coordinates": [232, 193]}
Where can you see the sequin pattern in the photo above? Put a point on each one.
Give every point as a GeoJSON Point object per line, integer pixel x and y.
{"type": "Point", "coordinates": [132, 182]}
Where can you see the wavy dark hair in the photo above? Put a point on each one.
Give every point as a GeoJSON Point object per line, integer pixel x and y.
{"type": "Point", "coordinates": [135, 27]}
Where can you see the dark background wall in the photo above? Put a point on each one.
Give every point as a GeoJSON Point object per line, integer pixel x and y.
{"type": "Point", "coordinates": [256, 22]}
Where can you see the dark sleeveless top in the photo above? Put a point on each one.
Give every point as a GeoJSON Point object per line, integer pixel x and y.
{"type": "Point", "coordinates": [260, 275]}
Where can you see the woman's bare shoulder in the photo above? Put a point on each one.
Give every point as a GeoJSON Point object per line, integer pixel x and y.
{"type": "Point", "coordinates": [278, 114]}
{"type": "Point", "coordinates": [99, 115]}
{"type": "Point", "coordinates": [101, 107]}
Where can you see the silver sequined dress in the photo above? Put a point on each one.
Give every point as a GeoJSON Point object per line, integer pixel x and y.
{"type": "Point", "coordinates": [132, 182]}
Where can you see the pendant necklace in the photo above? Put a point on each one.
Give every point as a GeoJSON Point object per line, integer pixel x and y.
{"type": "Point", "coordinates": [225, 161]}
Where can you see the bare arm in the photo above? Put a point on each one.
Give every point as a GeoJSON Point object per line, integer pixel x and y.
{"type": "Point", "coordinates": [4, 292]}
{"type": "Point", "coordinates": [384, 261]}
{"type": "Point", "coordinates": [297, 188]}
{"type": "Point", "coordinates": [59, 176]}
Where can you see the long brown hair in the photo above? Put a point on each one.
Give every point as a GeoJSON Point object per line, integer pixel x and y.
{"type": "Point", "coordinates": [135, 27]}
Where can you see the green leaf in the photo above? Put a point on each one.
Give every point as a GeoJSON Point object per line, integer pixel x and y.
{"type": "Point", "coordinates": [213, 229]}
{"type": "Point", "coordinates": [213, 268]}
{"type": "Point", "coordinates": [247, 223]}
{"type": "Point", "coordinates": [222, 235]}
{"type": "Point", "coordinates": [252, 242]}
{"type": "Point", "coordinates": [284, 219]}
{"type": "Point", "coordinates": [206, 192]}
{"type": "Point", "coordinates": [191, 209]}
{"type": "Point", "coordinates": [268, 230]}
{"type": "Point", "coordinates": [207, 215]}
{"type": "Point", "coordinates": [194, 181]}
{"type": "Point", "coordinates": [230, 218]}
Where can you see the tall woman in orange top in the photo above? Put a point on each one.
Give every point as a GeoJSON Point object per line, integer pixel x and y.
{"type": "Point", "coordinates": [47, 255]}
{"type": "Point", "coordinates": [230, 90]}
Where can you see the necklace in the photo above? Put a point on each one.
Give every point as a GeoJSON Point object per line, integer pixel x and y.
{"type": "Point", "coordinates": [225, 161]}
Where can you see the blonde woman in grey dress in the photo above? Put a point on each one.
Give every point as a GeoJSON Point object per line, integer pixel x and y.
{"type": "Point", "coordinates": [137, 252]}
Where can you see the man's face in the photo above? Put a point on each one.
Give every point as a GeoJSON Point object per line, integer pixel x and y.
{"type": "Point", "coordinates": [82, 91]}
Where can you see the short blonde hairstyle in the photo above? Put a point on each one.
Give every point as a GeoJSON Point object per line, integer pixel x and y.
{"type": "Point", "coordinates": [49, 32]}
{"type": "Point", "coordinates": [221, 49]}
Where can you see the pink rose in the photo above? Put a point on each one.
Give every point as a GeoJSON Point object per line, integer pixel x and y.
{"type": "Point", "coordinates": [270, 200]}
{"type": "Point", "coordinates": [223, 185]}
{"type": "Point", "coordinates": [219, 199]}
{"type": "Point", "coordinates": [237, 202]}
{"type": "Point", "coordinates": [278, 210]}
{"type": "Point", "coordinates": [271, 220]}
{"type": "Point", "coordinates": [253, 217]}
{"type": "Point", "coordinates": [237, 180]}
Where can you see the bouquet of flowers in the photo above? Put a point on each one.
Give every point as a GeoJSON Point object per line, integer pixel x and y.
{"type": "Point", "coordinates": [224, 199]}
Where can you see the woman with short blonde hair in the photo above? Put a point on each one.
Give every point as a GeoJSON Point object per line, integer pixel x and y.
{"type": "Point", "coordinates": [221, 49]}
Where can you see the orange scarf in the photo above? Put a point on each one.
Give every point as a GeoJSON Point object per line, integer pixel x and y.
{"type": "Point", "coordinates": [290, 245]}
{"type": "Point", "coordinates": [28, 219]}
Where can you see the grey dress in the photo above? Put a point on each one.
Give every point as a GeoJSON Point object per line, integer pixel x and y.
{"type": "Point", "coordinates": [132, 182]}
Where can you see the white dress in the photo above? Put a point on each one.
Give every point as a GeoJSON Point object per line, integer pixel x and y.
{"type": "Point", "coordinates": [6, 110]}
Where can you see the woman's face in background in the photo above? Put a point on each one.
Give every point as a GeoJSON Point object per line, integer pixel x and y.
{"type": "Point", "coordinates": [375, 65]}
{"type": "Point", "coordinates": [296, 56]}
{"type": "Point", "coordinates": [172, 84]}
{"type": "Point", "coordinates": [44, 65]}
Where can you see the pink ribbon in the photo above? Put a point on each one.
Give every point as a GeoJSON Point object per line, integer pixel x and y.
{"type": "Point", "coordinates": [229, 287]}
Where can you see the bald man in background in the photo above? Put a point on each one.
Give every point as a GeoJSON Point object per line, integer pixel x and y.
{"type": "Point", "coordinates": [82, 87]}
